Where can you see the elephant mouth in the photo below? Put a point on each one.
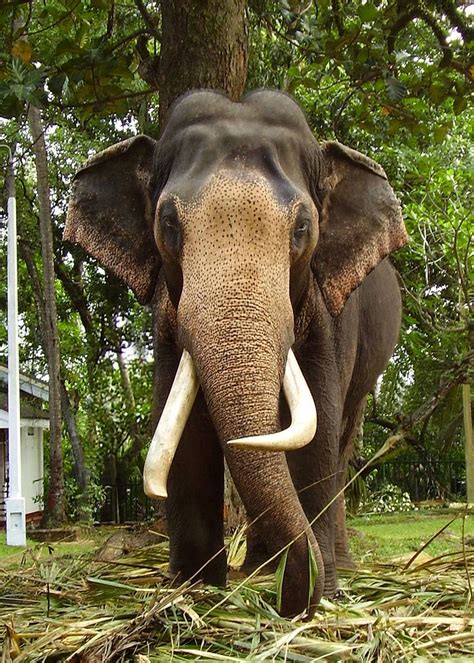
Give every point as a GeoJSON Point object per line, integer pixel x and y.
{"type": "Point", "coordinates": [178, 408]}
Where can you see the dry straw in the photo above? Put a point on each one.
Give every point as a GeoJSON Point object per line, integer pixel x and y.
{"type": "Point", "coordinates": [85, 611]}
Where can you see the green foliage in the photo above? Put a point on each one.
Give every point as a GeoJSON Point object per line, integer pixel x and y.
{"type": "Point", "coordinates": [126, 609]}
{"type": "Point", "coordinates": [365, 66]}
{"type": "Point", "coordinates": [80, 56]}
{"type": "Point", "coordinates": [84, 507]}
{"type": "Point", "coordinates": [376, 75]}
{"type": "Point", "coordinates": [21, 84]}
{"type": "Point", "coordinates": [312, 571]}
{"type": "Point", "coordinates": [280, 577]}
{"type": "Point", "coordinates": [437, 277]}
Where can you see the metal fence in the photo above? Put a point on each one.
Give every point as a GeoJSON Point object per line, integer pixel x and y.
{"type": "Point", "coordinates": [132, 505]}
{"type": "Point", "coordinates": [445, 478]}
{"type": "Point", "coordinates": [422, 481]}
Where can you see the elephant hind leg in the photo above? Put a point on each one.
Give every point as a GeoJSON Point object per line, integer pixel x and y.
{"type": "Point", "coordinates": [343, 556]}
{"type": "Point", "coordinates": [352, 429]}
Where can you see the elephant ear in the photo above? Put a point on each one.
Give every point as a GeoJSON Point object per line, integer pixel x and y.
{"type": "Point", "coordinates": [360, 223]}
{"type": "Point", "coordinates": [110, 213]}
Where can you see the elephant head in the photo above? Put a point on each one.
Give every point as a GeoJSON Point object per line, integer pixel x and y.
{"type": "Point", "coordinates": [240, 210]}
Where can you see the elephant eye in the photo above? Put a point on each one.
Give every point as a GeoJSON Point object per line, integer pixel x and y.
{"type": "Point", "coordinates": [169, 223]}
{"type": "Point", "coordinates": [170, 228]}
{"type": "Point", "coordinates": [300, 229]}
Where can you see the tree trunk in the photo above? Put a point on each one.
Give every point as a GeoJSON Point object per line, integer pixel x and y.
{"type": "Point", "coordinates": [137, 439]}
{"type": "Point", "coordinates": [204, 45]}
{"type": "Point", "coordinates": [127, 461]}
{"type": "Point", "coordinates": [468, 442]}
{"type": "Point", "coordinates": [81, 473]}
{"type": "Point", "coordinates": [55, 503]}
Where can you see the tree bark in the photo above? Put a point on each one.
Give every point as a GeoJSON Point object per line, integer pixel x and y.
{"type": "Point", "coordinates": [138, 440]}
{"type": "Point", "coordinates": [468, 442]}
{"type": "Point", "coordinates": [125, 377]}
{"type": "Point", "coordinates": [55, 513]}
{"type": "Point", "coordinates": [204, 45]}
{"type": "Point", "coordinates": [80, 471]}
{"type": "Point", "coordinates": [126, 461]}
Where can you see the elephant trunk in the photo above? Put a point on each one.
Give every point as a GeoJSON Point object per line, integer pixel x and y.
{"type": "Point", "coordinates": [241, 383]}
{"type": "Point", "coordinates": [274, 510]}
{"type": "Point", "coordinates": [303, 416]}
{"type": "Point", "coordinates": [240, 363]}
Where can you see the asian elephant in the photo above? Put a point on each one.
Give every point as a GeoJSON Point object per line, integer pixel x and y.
{"type": "Point", "coordinates": [255, 244]}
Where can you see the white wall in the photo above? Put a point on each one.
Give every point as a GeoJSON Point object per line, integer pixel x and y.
{"type": "Point", "coordinates": [32, 467]}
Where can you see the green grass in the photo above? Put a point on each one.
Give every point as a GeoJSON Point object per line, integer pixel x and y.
{"type": "Point", "coordinates": [378, 537]}
{"type": "Point", "coordinates": [11, 551]}
{"type": "Point", "coordinates": [88, 542]}
{"type": "Point", "coordinates": [375, 537]}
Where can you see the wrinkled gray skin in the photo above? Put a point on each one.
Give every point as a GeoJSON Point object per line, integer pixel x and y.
{"type": "Point", "coordinates": [248, 238]}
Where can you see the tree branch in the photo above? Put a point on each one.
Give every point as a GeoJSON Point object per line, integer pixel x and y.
{"type": "Point", "coordinates": [76, 295]}
{"type": "Point", "coordinates": [457, 20]}
{"type": "Point", "coordinates": [447, 59]}
{"type": "Point", "coordinates": [147, 19]}
{"type": "Point", "coordinates": [105, 100]}
{"type": "Point", "coordinates": [404, 429]}
{"type": "Point", "coordinates": [336, 14]}
{"type": "Point", "coordinates": [57, 22]}
{"type": "Point", "coordinates": [385, 423]}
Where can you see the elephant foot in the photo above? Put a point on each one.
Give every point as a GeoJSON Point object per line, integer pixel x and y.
{"type": "Point", "coordinates": [177, 578]}
{"type": "Point", "coordinates": [344, 561]}
{"type": "Point", "coordinates": [338, 595]}
{"type": "Point", "coordinates": [211, 572]}
{"type": "Point", "coordinates": [330, 585]}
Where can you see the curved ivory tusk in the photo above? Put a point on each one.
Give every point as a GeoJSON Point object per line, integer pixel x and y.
{"type": "Point", "coordinates": [303, 416]}
{"type": "Point", "coordinates": [170, 427]}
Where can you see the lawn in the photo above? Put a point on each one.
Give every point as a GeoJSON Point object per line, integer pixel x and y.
{"type": "Point", "coordinates": [379, 537]}
{"type": "Point", "coordinates": [59, 603]}
{"type": "Point", "coordinates": [88, 540]}
{"type": "Point", "coordinates": [374, 538]}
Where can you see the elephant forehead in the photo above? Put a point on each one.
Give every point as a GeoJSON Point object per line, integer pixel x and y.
{"type": "Point", "coordinates": [236, 233]}
{"type": "Point", "coordinates": [242, 207]}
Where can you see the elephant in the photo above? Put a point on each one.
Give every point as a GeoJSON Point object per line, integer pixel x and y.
{"type": "Point", "coordinates": [264, 256]}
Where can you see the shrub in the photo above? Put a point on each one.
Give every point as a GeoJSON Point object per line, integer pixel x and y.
{"type": "Point", "coordinates": [387, 499]}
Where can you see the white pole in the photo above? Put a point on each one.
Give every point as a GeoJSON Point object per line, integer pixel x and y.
{"type": "Point", "coordinates": [15, 502]}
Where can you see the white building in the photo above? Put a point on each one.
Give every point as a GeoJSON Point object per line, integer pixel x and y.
{"type": "Point", "coordinates": [34, 419]}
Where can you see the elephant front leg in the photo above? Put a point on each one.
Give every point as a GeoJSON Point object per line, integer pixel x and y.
{"type": "Point", "coordinates": [313, 471]}
{"type": "Point", "coordinates": [194, 507]}
{"type": "Point", "coordinates": [314, 468]}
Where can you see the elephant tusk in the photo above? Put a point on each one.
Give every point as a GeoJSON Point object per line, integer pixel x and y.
{"type": "Point", "coordinates": [170, 428]}
{"type": "Point", "coordinates": [303, 416]}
